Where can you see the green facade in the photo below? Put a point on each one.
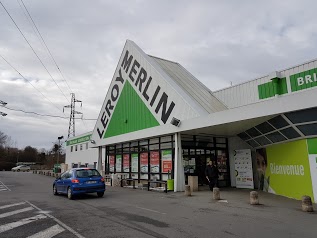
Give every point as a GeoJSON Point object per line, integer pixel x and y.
{"type": "Point", "coordinates": [130, 114]}
{"type": "Point", "coordinates": [272, 88]}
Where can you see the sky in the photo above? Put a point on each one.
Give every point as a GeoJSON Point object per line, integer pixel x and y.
{"type": "Point", "coordinates": [221, 43]}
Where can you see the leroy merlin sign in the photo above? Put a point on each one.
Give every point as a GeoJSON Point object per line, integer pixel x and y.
{"type": "Point", "coordinates": [152, 93]}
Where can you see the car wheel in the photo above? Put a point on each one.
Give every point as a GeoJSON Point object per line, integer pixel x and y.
{"type": "Point", "coordinates": [18, 170]}
{"type": "Point", "coordinates": [55, 190]}
{"type": "Point", "coordinates": [100, 194]}
{"type": "Point", "coordinates": [69, 193]}
{"type": "Point", "coordinates": [28, 170]}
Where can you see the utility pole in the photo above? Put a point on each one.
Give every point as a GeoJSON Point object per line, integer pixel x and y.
{"type": "Point", "coordinates": [59, 146]}
{"type": "Point", "coordinates": [71, 127]}
{"type": "Point", "coordinates": [2, 103]}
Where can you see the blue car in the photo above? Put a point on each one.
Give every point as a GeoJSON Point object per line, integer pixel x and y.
{"type": "Point", "coordinates": [79, 181]}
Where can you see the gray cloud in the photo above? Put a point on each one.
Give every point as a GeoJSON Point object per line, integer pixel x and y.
{"type": "Point", "coordinates": [217, 41]}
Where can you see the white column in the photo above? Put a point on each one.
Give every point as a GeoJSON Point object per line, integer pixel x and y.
{"type": "Point", "coordinates": [179, 175]}
{"type": "Point", "coordinates": [99, 165]}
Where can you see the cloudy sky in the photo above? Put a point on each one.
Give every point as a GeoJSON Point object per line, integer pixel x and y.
{"type": "Point", "coordinates": [219, 42]}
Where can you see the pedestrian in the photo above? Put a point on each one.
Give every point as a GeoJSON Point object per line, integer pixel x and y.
{"type": "Point", "coordinates": [212, 174]}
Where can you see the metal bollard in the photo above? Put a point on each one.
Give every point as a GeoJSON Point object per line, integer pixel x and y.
{"type": "Point", "coordinates": [187, 190]}
{"type": "Point", "coordinates": [216, 193]}
{"type": "Point", "coordinates": [307, 205]}
{"type": "Point", "coordinates": [254, 198]}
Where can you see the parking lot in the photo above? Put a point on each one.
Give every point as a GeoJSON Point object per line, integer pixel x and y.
{"type": "Point", "coordinates": [126, 212]}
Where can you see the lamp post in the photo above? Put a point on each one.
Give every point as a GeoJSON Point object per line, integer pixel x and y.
{"type": "Point", "coordinates": [59, 145]}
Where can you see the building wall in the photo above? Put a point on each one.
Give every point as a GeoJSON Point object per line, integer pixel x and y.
{"type": "Point", "coordinates": [294, 79]}
{"type": "Point", "coordinates": [79, 150]}
{"type": "Point", "coordinates": [291, 169]}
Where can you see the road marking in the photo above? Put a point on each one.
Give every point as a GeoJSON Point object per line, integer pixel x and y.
{"type": "Point", "coordinates": [24, 221]}
{"type": "Point", "coordinates": [7, 214]}
{"type": "Point", "coordinates": [12, 205]}
{"type": "Point", "coordinates": [48, 233]}
{"type": "Point", "coordinates": [58, 221]}
{"type": "Point", "coordinates": [151, 210]}
{"type": "Point", "coordinates": [4, 186]}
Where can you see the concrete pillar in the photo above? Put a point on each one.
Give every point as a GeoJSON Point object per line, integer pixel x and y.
{"type": "Point", "coordinates": [254, 198]}
{"type": "Point", "coordinates": [187, 190]}
{"type": "Point", "coordinates": [99, 165]}
{"type": "Point", "coordinates": [307, 205]}
{"type": "Point", "coordinates": [216, 193]}
{"type": "Point", "coordinates": [179, 176]}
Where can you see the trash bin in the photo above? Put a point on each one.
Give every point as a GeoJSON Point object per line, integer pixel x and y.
{"type": "Point", "coordinates": [170, 185]}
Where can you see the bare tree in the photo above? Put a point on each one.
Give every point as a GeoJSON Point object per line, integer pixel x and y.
{"type": "Point", "coordinates": [3, 138]}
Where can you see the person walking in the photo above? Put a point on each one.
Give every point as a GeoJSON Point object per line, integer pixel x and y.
{"type": "Point", "coordinates": [212, 174]}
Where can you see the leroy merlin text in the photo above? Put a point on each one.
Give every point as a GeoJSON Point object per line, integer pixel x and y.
{"type": "Point", "coordinates": [287, 169]}
{"type": "Point", "coordinates": [142, 80]}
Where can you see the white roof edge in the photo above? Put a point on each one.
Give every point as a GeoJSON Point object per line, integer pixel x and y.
{"type": "Point", "coordinates": [244, 82]}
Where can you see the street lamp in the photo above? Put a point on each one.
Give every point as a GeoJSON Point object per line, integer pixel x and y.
{"type": "Point", "coordinates": [59, 145]}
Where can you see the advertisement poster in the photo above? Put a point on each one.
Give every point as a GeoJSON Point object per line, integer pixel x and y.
{"type": "Point", "coordinates": [134, 163]}
{"type": "Point", "coordinates": [288, 170]}
{"type": "Point", "coordinates": [243, 168]}
{"type": "Point", "coordinates": [312, 150]}
{"type": "Point", "coordinates": [166, 161]}
{"type": "Point", "coordinates": [144, 160]}
{"type": "Point", "coordinates": [155, 161]}
{"type": "Point", "coordinates": [118, 163]}
{"type": "Point", "coordinates": [126, 163]}
{"type": "Point", "coordinates": [111, 163]}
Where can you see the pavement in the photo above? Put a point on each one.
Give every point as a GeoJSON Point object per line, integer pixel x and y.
{"type": "Point", "coordinates": [127, 212]}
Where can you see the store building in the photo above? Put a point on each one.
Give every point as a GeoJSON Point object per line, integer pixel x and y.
{"type": "Point", "coordinates": [158, 120]}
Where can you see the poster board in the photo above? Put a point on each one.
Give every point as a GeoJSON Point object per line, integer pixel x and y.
{"type": "Point", "coordinates": [134, 163]}
{"type": "Point", "coordinates": [126, 163]}
{"type": "Point", "coordinates": [111, 163]}
{"type": "Point", "coordinates": [155, 161]}
{"type": "Point", "coordinates": [166, 161]}
{"type": "Point", "coordinates": [243, 169]}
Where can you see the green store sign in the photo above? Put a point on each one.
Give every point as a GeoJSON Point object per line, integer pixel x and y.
{"type": "Point", "coordinates": [78, 140]}
{"type": "Point", "coordinates": [299, 81]}
{"type": "Point", "coordinates": [304, 80]}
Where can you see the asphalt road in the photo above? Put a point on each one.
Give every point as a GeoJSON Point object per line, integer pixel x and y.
{"type": "Point", "coordinates": [28, 208]}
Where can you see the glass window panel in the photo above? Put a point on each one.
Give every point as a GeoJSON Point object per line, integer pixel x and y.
{"type": "Point", "coordinates": [185, 152]}
{"type": "Point", "coordinates": [125, 145]}
{"type": "Point", "coordinates": [278, 122]}
{"type": "Point", "coordinates": [290, 133]}
{"type": "Point", "coordinates": [118, 146]}
{"type": "Point", "coordinates": [244, 136]}
{"type": "Point", "coordinates": [126, 150]}
{"type": "Point", "coordinates": [144, 142]}
{"type": "Point", "coordinates": [221, 145]}
{"type": "Point", "coordinates": [154, 147]}
{"type": "Point", "coordinates": [202, 144]}
{"type": "Point", "coordinates": [166, 139]}
{"type": "Point", "coordinates": [308, 130]}
{"type": "Point", "coordinates": [220, 140]}
{"type": "Point", "coordinates": [154, 141]}
{"type": "Point", "coordinates": [275, 137]}
{"type": "Point", "coordinates": [166, 145]}
{"type": "Point", "coordinates": [264, 127]}
{"type": "Point", "coordinates": [253, 143]}
{"type": "Point", "coordinates": [302, 116]}
{"type": "Point", "coordinates": [262, 140]}
{"type": "Point", "coordinates": [253, 132]}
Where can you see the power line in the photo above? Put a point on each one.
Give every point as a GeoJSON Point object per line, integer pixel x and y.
{"type": "Point", "coordinates": [33, 49]}
{"type": "Point", "coordinates": [28, 81]}
{"type": "Point", "coordinates": [46, 46]}
{"type": "Point", "coordinates": [46, 115]}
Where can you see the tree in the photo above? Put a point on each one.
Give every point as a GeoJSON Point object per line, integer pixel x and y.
{"type": "Point", "coordinates": [3, 138]}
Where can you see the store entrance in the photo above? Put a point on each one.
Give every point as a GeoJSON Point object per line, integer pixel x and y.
{"type": "Point", "coordinates": [197, 154]}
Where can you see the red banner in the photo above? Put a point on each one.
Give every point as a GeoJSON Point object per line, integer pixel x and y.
{"type": "Point", "coordinates": [167, 166]}
{"type": "Point", "coordinates": [126, 162]}
{"type": "Point", "coordinates": [155, 158]}
{"type": "Point", "coordinates": [144, 160]}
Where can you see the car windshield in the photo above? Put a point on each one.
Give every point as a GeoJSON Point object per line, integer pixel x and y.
{"type": "Point", "coordinates": [86, 173]}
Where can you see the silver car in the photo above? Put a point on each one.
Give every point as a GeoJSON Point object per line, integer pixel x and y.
{"type": "Point", "coordinates": [21, 168]}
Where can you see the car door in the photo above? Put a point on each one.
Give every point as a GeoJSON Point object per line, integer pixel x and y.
{"type": "Point", "coordinates": [67, 181]}
{"type": "Point", "coordinates": [60, 182]}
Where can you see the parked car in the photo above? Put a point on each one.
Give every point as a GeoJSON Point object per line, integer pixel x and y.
{"type": "Point", "coordinates": [21, 168]}
{"type": "Point", "coordinates": [79, 181]}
